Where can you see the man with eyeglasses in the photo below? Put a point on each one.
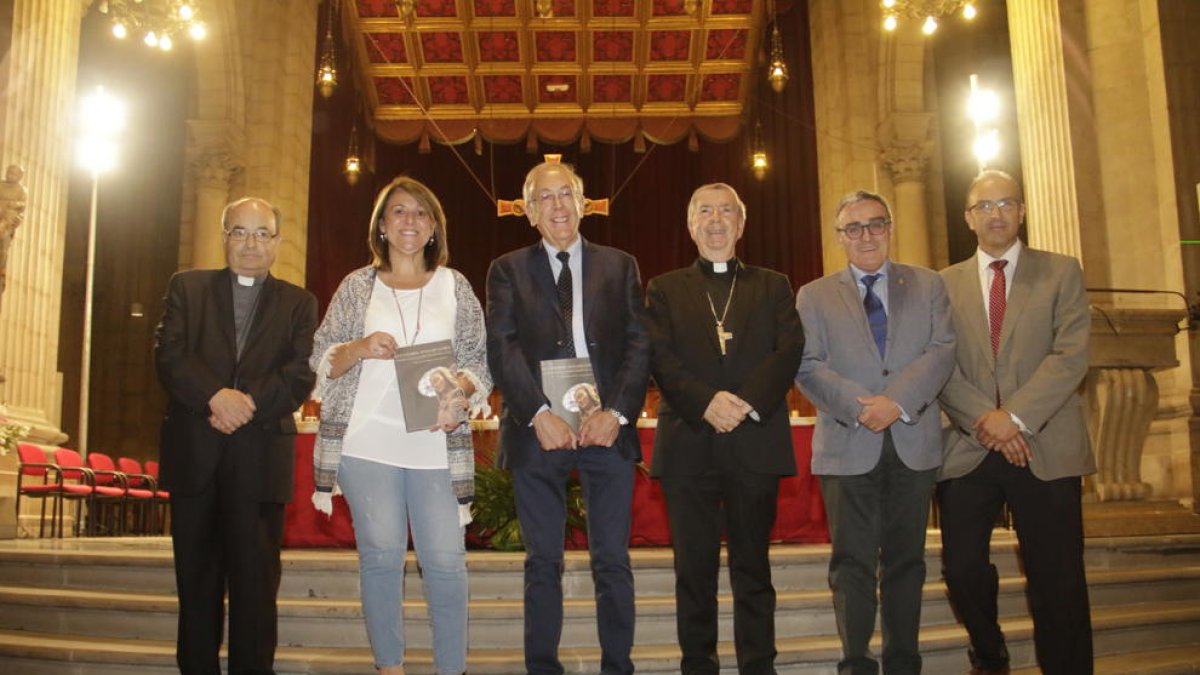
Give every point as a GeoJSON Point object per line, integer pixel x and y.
{"type": "Point", "coordinates": [879, 348]}
{"type": "Point", "coordinates": [232, 353]}
{"type": "Point", "coordinates": [1017, 435]}
{"type": "Point", "coordinates": [564, 297]}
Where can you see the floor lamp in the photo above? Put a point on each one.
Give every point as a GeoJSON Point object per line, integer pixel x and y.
{"type": "Point", "coordinates": [102, 118]}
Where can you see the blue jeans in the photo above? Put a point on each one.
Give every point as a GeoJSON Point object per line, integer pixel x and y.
{"type": "Point", "coordinates": [384, 500]}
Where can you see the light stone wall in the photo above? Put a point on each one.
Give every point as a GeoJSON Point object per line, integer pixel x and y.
{"type": "Point", "coordinates": [1136, 175]}
{"type": "Point", "coordinates": [253, 127]}
{"type": "Point", "coordinates": [845, 46]}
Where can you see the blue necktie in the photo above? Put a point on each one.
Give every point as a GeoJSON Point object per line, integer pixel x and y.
{"type": "Point", "coordinates": [876, 317]}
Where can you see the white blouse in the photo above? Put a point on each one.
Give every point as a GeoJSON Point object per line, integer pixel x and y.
{"type": "Point", "coordinates": [377, 432]}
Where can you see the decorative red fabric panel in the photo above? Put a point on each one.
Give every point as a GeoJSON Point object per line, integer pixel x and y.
{"type": "Point", "coordinates": [732, 6]}
{"type": "Point", "coordinates": [436, 8]}
{"type": "Point", "coordinates": [442, 47]}
{"type": "Point", "coordinates": [726, 44]}
{"type": "Point", "coordinates": [392, 90]}
{"type": "Point", "coordinates": [563, 8]}
{"type": "Point", "coordinates": [670, 45]}
{"type": "Point", "coordinates": [555, 45]}
{"type": "Point", "coordinates": [385, 48]}
{"type": "Point", "coordinates": [369, 9]}
{"type": "Point", "coordinates": [502, 88]}
{"type": "Point", "coordinates": [612, 45]}
{"type": "Point", "coordinates": [664, 88]}
{"type": "Point", "coordinates": [612, 88]}
{"type": "Point", "coordinates": [499, 46]}
{"type": "Point", "coordinates": [720, 87]}
{"type": "Point", "coordinates": [448, 90]}
{"type": "Point", "coordinates": [612, 7]}
{"type": "Point", "coordinates": [669, 8]}
{"type": "Point", "coordinates": [495, 8]}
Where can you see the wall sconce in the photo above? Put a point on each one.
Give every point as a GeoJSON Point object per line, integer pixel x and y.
{"type": "Point", "coordinates": [758, 158]}
{"type": "Point", "coordinates": [353, 164]}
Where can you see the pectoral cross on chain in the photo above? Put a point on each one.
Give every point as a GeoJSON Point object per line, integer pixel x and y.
{"type": "Point", "coordinates": [723, 336]}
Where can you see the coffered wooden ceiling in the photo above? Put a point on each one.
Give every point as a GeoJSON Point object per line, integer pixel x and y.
{"type": "Point", "coordinates": [564, 69]}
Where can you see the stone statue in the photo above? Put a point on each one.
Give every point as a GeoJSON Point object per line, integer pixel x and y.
{"type": "Point", "coordinates": [12, 214]}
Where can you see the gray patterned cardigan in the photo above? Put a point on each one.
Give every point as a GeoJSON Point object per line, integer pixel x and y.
{"type": "Point", "coordinates": [343, 323]}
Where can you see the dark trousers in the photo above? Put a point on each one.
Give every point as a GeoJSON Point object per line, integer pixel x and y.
{"type": "Point", "coordinates": [1047, 516]}
{"type": "Point", "coordinates": [221, 542]}
{"type": "Point", "coordinates": [699, 508]}
{"type": "Point", "coordinates": [540, 489]}
{"type": "Point", "coordinates": [877, 521]}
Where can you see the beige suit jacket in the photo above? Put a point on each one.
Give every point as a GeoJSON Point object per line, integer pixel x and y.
{"type": "Point", "coordinates": [1042, 361]}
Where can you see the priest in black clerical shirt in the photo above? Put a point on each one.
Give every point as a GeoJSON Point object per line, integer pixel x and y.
{"type": "Point", "coordinates": [726, 342]}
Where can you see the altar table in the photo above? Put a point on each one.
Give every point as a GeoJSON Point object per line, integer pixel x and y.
{"type": "Point", "coordinates": [800, 517]}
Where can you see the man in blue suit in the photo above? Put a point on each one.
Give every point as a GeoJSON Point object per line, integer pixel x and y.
{"type": "Point", "coordinates": [564, 297]}
{"type": "Point", "coordinates": [880, 345]}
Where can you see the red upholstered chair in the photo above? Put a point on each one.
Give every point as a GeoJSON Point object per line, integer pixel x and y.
{"type": "Point", "coordinates": [106, 475]}
{"type": "Point", "coordinates": [38, 478]}
{"type": "Point", "coordinates": [142, 493]}
{"type": "Point", "coordinates": [162, 496]}
{"type": "Point", "coordinates": [79, 484]}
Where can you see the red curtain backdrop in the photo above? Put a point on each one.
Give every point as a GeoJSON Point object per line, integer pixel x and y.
{"type": "Point", "coordinates": [800, 518]}
{"type": "Point", "coordinates": [650, 190]}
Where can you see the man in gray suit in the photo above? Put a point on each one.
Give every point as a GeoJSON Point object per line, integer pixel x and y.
{"type": "Point", "coordinates": [879, 347]}
{"type": "Point", "coordinates": [1018, 434]}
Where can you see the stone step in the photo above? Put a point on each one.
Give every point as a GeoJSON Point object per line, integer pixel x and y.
{"type": "Point", "coordinates": [1170, 627]}
{"type": "Point", "coordinates": [144, 564]}
{"type": "Point", "coordinates": [1173, 661]}
{"type": "Point", "coordinates": [496, 623]}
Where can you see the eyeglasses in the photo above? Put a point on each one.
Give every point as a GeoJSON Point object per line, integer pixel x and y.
{"type": "Point", "coordinates": [1007, 205]}
{"type": "Point", "coordinates": [564, 195]}
{"type": "Point", "coordinates": [876, 226]}
{"type": "Point", "coordinates": [242, 234]}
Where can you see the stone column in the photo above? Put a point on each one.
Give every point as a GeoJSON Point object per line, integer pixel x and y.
{"type": "Point", "coordinates": [211, 173]}
{"type": "Point", "coordinates": [1039, 78]}
{"type": "Point", "coordinates": [36, 134]}
{"type": "Point", "coordinates": [906, 161]}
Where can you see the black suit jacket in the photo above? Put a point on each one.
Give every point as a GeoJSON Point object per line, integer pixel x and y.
{"type": "Point", "coordinates": [524, 329]}
{"type": "Point", "coordinates": [687, 364]}
{"type": "Point", "coordinates": [196, 355]}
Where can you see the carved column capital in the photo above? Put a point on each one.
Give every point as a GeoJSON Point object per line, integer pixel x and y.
{"type": "Point", "coordinates": [213, 169]}
{"type": "Point", "coordinates": [906, 161]}
{"type": "Point", "coordinates": [214, 152]}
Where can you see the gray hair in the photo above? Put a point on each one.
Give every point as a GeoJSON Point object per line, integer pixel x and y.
{"type": "Point", "coordinates": [861, 196]}
{"type": "Point", "coordinates": [537, 171]}
{"type": "Point", "coordinates": [692, 208]}
{"type": "Point", "coordinates": [244, 200]}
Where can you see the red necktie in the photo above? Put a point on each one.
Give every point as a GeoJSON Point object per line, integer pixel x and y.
{"type": "Point", "coordinates": [997, 303]}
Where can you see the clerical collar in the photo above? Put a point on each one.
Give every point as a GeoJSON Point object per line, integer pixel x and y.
{"type": "Point", "coordinates": [718, 268]}
{"type": "Point", "coordinates": [243, 280]}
